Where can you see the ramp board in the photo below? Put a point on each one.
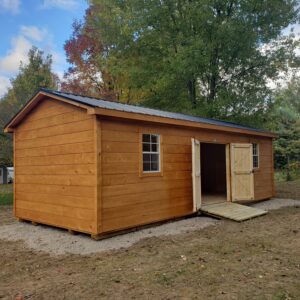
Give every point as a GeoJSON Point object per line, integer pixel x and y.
{"type": "Point", "coordinates": [232, 211]}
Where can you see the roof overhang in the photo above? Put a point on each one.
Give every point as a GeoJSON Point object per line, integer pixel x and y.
{"type": "Point", "coordinates": [33, 102]}
{"type": "Point", "coordinates": [169, 121]}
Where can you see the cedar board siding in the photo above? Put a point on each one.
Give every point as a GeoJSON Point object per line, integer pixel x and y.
{"type": "Point", "coordinates": [129, 200]}
{"type": "Point", "coordinates": [82, 172]}
{"type": "Point", "coordinates": [55, 167]}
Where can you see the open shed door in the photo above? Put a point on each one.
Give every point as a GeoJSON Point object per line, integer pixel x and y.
{"type": "Point", "coordinates": [196, 173]}
{"type": "Point", "coordinates": [242, 180]}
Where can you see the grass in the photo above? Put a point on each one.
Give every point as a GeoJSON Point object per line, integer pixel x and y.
{"type": "Point", "coordinates": [281, 175]}
{"type": "Point", "coordinates": [288, 189]}
{"type": "Point", "coordinates": [6, 194]}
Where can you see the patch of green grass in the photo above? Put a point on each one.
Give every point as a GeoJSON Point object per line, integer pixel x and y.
{"type": "Point", "coordinates": [281, 175]}
{"type": "Point", "coordinates": [282, 295]}
{"type": "Point", "coordinates": [6, 194]}
{"type": "Point", "coordinates": [288, 189]}
{"type": "Point", "coordinates": [6, 199]}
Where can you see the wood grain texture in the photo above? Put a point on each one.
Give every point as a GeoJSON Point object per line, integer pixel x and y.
{"type": "Point", "coordinates": [83, 172]}
{"type": "Point", "coordinates": [232, 211]}
{"type": "Point", "coordinates": [98, 173]}
{"type": "Point", "coordinates": [242, 178]}
{"type": "Point", "coordinates": [55, 158]}
{"type": "Point", "coordinates": [130, 200]}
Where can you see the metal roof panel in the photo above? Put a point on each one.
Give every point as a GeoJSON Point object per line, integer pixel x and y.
{"type": "Point", "coordinates": [93, 102]}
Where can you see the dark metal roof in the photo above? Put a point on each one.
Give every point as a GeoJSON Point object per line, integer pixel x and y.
{"type": "Point", "coordinates": [93, 102]}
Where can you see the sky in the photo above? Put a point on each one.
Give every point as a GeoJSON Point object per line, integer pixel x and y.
{"type": "Point", "coordinates": [46, 24]}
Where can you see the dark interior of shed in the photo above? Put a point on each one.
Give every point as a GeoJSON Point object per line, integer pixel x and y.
{"type": "Point", "coordinates": [213, 173]}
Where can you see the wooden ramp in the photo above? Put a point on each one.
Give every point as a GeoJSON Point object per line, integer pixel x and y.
{"type": "Point", "coordinates": [232, 211]}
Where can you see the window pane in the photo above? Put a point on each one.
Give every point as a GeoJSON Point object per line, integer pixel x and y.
{"type": "Point", "coordinates": [254, 149]}
{"type": "Point", "coordinates": [151, 158]}
{"type": "Point", "coordinates": [255, 161]}
{"type": "Point", "coordinates": [146, 157]}
{"type": "Point", "coordinates": [154, 166]}
{"type": "Point", "coordinates": [154, 158]}
{"type": "Point", "coordinates": [146, 138]}
{"type": "Point", "coordinates": [146, 166]}
{"type": "Point", "coordinates": [154, 138]}
{"type": "Point", "coordinates": [154, 147]}
{"type": "Point", "coordinates": [146, 147]}
{"type": "Point", "coordinates": [255, 155]}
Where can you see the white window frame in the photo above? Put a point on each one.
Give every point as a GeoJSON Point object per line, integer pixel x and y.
{"type": "Point", "coordinates": [255, 155]}
{"type": "Point", "coordinates": [158, 152]}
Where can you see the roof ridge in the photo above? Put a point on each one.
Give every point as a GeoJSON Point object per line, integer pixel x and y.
{"type": "Point", "coordinates": [79, 95]}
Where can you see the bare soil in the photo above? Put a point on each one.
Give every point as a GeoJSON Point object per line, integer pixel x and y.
{"type": "Point", "coordinates": [257, 259]}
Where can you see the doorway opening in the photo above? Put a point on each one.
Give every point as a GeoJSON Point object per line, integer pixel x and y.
{"type": "Point", "coordinates": [213, 173]}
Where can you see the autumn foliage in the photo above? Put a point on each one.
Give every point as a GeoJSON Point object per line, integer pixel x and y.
{"type": "Point", "coordinates": [87, 75]}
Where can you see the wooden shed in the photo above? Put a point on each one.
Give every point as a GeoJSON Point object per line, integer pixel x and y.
{"type": "Point", "coordinates": [98, 167]}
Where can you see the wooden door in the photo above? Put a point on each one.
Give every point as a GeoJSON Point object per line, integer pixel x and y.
{"type": "Point", "coordinates": [196, 173]}
{"type": "Point", "coordinates": [242, 180]}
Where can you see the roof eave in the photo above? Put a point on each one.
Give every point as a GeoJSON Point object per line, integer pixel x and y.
{"type": "Point", "coordinates": [9, 127]}
{"type": "Point", "coordinates": [185, 123]}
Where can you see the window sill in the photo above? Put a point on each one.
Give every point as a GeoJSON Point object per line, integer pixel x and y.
{"type": "Point", "coordinates": [151, 174]}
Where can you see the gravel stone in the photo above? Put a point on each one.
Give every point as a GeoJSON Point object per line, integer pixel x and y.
{"type": "Point", "coordinates": [55, 241]}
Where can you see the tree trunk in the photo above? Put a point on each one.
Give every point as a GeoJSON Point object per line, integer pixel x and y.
{"type": "Point", "coordinates": [192, 91]}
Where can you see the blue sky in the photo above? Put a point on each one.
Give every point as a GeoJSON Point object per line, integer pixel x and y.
{"type": "Point", "coordinates": [46, 24]}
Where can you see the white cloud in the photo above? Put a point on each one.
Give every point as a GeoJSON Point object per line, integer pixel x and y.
{"type": "Point", "coordinates": [20, 45]}
{"type": "Point", "coordinates": [18, 52]}
{"type": "Point", "coordinates": [4, 85]}
{"type": "Point", "coordinates": [61, 4]}
{"type": "Point", "coordinates": [12, 6]}
{"type": "Point", "coordinates": [34, 33]}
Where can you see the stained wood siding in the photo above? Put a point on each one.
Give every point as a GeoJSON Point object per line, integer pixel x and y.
{"type": "Point", "coordinates": [130, 200]}
{"type": "Point", "coordinates": [55, 167]}
{"type": "Point", "coordinates": [81, 172]}
{"type": "Point", "coordinates": [264, 175]}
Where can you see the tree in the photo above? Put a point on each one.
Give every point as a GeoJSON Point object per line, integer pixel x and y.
{"type": "Point", "coordinates": [286, 123]}
{"type": "Point", "coordinates": [37, 73]}
{"type": "Point", "coordinates": [84, 50]}
{"type": "Point", "coordinates": [208, 57]}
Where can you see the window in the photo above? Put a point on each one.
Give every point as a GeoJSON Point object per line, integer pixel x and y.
{"type": "Point", "coordinates": [151, 153]}
{"type": "Point", "coordinates": [255, 148]}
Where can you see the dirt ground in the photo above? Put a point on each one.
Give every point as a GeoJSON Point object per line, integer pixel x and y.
{"type": "Point", "coordinates": [257, 259]}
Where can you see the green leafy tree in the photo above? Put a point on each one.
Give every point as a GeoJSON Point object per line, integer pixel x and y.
{"type": "Point", "coordinates": [208, 57]}
{"type": "Point", "coordinates": [286, 123]}
{"type": "Point", "coordinates": [33, 75]}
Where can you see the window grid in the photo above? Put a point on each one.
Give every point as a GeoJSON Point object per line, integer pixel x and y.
{"type": "Point", "coordinates": [151, 153]}
{"type": "Point", "coordinates": [255, 154]}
